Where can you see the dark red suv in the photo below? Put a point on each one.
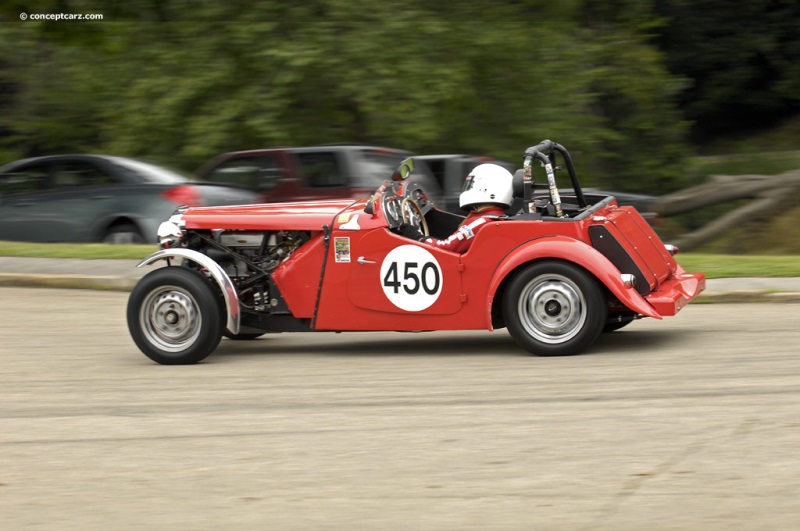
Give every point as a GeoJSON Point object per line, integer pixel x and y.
{"type": "Point", "coordinates": [309, 173]}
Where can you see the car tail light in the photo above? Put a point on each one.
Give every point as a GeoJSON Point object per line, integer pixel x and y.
{"type": "Point", "coordinates": [184, 195]}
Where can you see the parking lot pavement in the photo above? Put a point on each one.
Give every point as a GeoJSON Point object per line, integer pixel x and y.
{"type": "Point", "coordinates": [122, 275]}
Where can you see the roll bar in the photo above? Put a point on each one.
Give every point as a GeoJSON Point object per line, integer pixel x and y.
{"type": "Point", "coordinates": [545, 152]}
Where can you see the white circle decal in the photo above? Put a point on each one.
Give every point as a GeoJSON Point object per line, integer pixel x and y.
{"type": "Point", "coordinates": [411, 278]}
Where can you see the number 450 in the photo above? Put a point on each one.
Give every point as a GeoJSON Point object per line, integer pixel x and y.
{"type": "Point", "coordinates": [412, 282]}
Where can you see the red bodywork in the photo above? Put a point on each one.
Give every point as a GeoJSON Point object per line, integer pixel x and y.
{"type": "Point", "coordinates": [356, 274]}
{"type": "Point", "coordinates": [309, 216]}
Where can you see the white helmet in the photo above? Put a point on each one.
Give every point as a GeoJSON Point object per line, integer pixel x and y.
{"type": "Point", "coordinates": [487, 183]}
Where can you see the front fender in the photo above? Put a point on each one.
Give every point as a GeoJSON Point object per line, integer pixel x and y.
{"type": "Point", "coordinates": [578, 253]}
{"type": "Point", "coordinates": [220, 277]}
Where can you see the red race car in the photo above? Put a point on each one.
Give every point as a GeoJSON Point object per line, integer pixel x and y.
{"type": "Point", "coordinates": [555, 273]}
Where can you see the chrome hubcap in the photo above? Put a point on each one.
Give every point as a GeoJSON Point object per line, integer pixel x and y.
{"type": "Point", "coordinates": [552, 308]}
{"type": "Point", "coordinates": [169, 318]}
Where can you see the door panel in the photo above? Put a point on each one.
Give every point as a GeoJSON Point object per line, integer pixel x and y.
{"type": "Point", "coordinates": [21, 192]}
{"type": "Point", "coordinates": [393, 274]}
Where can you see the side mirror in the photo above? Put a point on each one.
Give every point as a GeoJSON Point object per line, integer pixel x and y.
{"type": "Point", "coordinates": [404, 170]}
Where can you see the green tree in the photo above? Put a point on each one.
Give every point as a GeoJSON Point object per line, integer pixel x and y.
{"type": "Point", "coordinates": [180, 82]}
{"type": "Point", "coordinates": [742, 57]}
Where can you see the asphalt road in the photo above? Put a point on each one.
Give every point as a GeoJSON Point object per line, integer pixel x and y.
{"type": "Point", "coordinates": [688, 423]}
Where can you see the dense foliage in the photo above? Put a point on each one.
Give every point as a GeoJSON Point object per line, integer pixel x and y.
{"type": "Point", "coordinates": [742, 58]}
{"type": "Point", "coordinates": [179, 81]}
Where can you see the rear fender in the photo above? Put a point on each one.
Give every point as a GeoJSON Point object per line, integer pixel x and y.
{"type": "Point", "coordinates": [578, 253]}
{"type": "Point", "coordinates": [220, 277]}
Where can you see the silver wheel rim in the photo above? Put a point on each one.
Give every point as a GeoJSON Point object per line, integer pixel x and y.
{"type": "Point", "coordinates": [169, 318]}
{"type": "Point", "coordinates": [552, 308]}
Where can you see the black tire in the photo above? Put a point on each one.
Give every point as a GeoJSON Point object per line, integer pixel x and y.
{"type": "Point", "coordinates": [553, 308]}
{"type": "Point", "coordinates": [618, 320]}
{"type": "Point", "coordinates": [173, 316]}
{"type": "Point", "coordinates": [125, 233]}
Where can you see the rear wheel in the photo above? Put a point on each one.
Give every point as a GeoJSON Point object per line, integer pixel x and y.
{"type": "Point", "coordinates": [173, 316]}
{"type": "Point", "coordinates": [125, 233]}
{"type": "Point", "coordinates": [554, 308]}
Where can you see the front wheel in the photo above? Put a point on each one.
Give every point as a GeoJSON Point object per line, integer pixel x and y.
{"type": "Point", "coordinates": [173, 316]}
{"type": "Point", "coordinates": [554, 308]}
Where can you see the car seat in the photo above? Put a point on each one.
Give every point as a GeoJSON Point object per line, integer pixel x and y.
{"type": "Point", "coordinates": [517, 209]}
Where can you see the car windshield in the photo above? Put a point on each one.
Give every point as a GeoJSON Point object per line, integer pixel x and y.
{"type": "Point", "coordinates": [377, 166]}
{"type": "Point", "coordinates": [150, 172]}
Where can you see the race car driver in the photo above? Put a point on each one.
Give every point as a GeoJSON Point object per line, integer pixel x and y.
{"type": "Point", "coordinates": [487, 193]}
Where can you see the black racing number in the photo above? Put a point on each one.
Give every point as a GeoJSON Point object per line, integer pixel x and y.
{"type": "Point", "coordinates": [390, 279]}
{"type": "Point", "coordinates": [428, 278]}
{"type": "Point", "coordinates": [429, 266]}
{"type": "Point", "coordinates": [410, 275]}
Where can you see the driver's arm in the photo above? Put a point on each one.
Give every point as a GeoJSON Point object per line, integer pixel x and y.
{"type": "Point", "coordinates": [458, 242]}
{"type": "Point", "coordinates": [411, 232]}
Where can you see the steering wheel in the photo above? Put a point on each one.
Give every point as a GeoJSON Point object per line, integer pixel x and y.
{"type": "Point", "coordinates": [412, 214]}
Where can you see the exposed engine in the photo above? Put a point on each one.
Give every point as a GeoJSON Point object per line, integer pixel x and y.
{"type": "Point", "coordinates": [248, 258]}
{"type": "Point", "coordinates": [263, 251]}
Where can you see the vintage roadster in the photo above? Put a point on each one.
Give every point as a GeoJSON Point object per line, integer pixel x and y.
{"type": "Point", "coordinates": [556, 273]}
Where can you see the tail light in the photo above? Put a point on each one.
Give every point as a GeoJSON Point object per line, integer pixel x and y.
{"type": "Point", "coordinates": [184, 194]}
